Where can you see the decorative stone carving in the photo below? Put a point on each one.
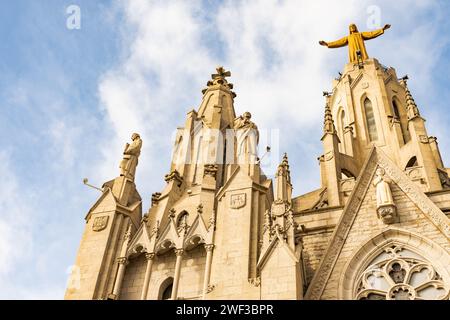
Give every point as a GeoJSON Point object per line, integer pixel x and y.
{"type": "Point", "coordinates": [212, 221]}
{"type": "Point", "coordinates": [200, 209]}
{"type": "Point", "coordinates": [155, 229]}
{"type": "Point", "coordinates": [155, 198]}
{"type": "Point", "coordinates": [400, 274]}
{"type": "Point", "coordinates": [100, 223]}
{"type": "Point", "coordinates": [122, 260]}
{"type": "Point", "coordinates": [328, 156]}
{"type": "Point", "coordinates": [209, 247]}
{"type": "Point", "coordinates": [144, 218]}
{"type": "Point", "coordinates": [256, 282]}
{"type": "Point", "coordinates": [423, 139]}
{"type": "Point", "coordinates": [211, 170]}
{"type": "Point", "coordinates": [267, 221]}
{"type": "Point", "coordinates": [149, 256]}
{"type": "Point", "coordinates": [219, 79]}
{"type": "Point", "coordinates": [130, 157]}
{"type": "Point", "coordinates": [386, 209]}
{"type": "Point", "coordinates": [210, 288]}
{"type": "Point", "coordinates": [178, 252]}
{"type": "Point", "coordinates": [175, 176]}
{"type": "Point", "coordinates": [237, 200]}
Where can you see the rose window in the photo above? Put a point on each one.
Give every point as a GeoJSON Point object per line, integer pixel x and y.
{"type": "Point", "coordinates": [400, 274]}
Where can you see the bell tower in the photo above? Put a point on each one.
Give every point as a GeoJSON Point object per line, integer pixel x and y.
{"type": "Point", "coordinates": [369, 105]}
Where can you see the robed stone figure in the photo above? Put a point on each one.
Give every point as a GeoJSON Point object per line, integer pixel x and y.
{"type": "Point", "coordinates": [130, 157]}
{"type": "Point", "coordinates": [247, 138]}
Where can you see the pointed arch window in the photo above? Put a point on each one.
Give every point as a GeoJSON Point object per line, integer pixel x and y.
{"type": "Point", "coordinates": [399, 273]}
{"type": "Point", "coordinates": [401, 118]}
{"type": "Point", "coordinates": [370, 120]}
{"type": "Point", "coordinates": [165, 291]}
{"type": "Point", "coordinates": [341, 126]}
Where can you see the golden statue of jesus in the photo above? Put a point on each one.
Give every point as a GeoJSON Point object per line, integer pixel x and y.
{"type": "Point", "coordinates": [355, 42]}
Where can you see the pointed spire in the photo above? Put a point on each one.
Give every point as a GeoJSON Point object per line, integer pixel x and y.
{"type": "Point", "coordinates": [283, 181]}
{"type": "Point", "coordinates": [219, 78]}
{"type": "Point", "coordinates": [328, 123]}
{"type": "Point", "coordinates": [411, 106]}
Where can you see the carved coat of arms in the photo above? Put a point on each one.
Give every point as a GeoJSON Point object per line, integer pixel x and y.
{"type": "Point", "coordinates": [100, 223]}
{"type": "Point", "coordinates": [237, 200]}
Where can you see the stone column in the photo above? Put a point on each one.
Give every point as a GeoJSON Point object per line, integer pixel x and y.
{"type": "Point", "coordinates": [148, 272]}
{"type": "Point", "coordinates": [209, 249]}
{"type": "Point", "coordinates": [120, 273]}
{"type": "Point", "coordinates": [176, 278]}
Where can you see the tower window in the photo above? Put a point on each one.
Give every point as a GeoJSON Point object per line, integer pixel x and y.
{"type": "Point", "coordinates": [412, 162]}
{"type": "Point", "coordinates": [165, 292]}
{"type": "Point", "coordinates": [370, 120]}
{"type": "Point", "coordinates": [403, 126]}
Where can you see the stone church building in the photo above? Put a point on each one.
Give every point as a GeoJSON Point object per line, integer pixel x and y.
{"type": "Point", "coordinates": [376, 228]}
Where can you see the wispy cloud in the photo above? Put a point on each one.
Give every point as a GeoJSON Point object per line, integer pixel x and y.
{"type": "Point", "coordinates": [71, 101]}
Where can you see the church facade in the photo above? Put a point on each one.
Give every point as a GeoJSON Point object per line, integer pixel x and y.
{"type": "Point", "coordinates": [376, 228]}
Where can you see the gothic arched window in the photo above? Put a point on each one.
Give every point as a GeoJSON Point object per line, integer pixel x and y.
{"type": "Point", "coordinates": [341, 127]}
{"type": "Point", "coordinates": [412, 162]}
{"type": "Point", "coordinates": [165, 291]}
{"type": "Point", "coordinates": [401, 118]}
{"type": "Point", "coordinates": [370, 120]}
{"type": "Point", "coordinates": [182, 220]}
{"type": "Point", "coordinates": [398, 273]}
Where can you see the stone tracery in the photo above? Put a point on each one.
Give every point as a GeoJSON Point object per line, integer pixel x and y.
{"type": "Point", "coordinates": [398, 273]}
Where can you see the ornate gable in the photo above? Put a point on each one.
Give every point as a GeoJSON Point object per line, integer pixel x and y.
{"type": "Point", "coordinates": [335, 256]}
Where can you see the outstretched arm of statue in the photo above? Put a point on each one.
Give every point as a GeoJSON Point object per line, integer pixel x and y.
{"type": "Point", "coordinates": [337, 44]}
{"type": "Point", "coordinates": [373, 34]}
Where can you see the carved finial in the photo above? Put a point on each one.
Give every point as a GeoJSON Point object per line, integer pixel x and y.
{"type": "Point", "coordinates": [155, 198]}
{"type": "Point", "coordinates": [411, 106]}
{"type": "Point", "coordinates": [128, 233]}
{"type": "Point", "coordinates": [212, 220]}
{"type": "Point", "coordinates": [328, 123]}
{"type": "Point", "coordinates": [144, 218]}
{"type": "Point", "coordinates": [155, 229]}
{"type": "Point", "coordinates": [200, 208]}
{"type": "Point", "coordinates": [221, 73]}
{"type": "Point", "coordinates": [219, 78]}
{"type": "Point", "coordinates": [172, 213]}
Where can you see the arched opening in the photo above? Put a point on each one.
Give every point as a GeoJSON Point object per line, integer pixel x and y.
{"type": "Point", "coordinates": [340, 129]}
{"type": "Point", "coordinates": [165, 290]}
{"type": "Point", "coordinates": [182, 219]}
{"type": "Point", "coordinates": [412, 163]}
{"type": "Point", "coordinates": [370, 120]}
{"type": "Point", "coordinates": [401, 118]}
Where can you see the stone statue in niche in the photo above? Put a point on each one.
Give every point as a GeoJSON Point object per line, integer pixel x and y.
{"type": "Point", "coordinates": [386, 209]}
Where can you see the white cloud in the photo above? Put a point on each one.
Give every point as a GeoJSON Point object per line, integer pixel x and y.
{"type": "Point", "coordinates": [278, 69]}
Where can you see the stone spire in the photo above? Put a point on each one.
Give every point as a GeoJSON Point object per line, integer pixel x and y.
{"type": "Point", "coordinates": [328, 123]}
{"type": "Point", "coordinates": [283, 181]}
{"type": "Point", "coordinates": [411, 106]}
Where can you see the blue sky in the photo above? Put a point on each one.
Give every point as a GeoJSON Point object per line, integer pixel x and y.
{"type": "Point", "coordinates": [70, 99]}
